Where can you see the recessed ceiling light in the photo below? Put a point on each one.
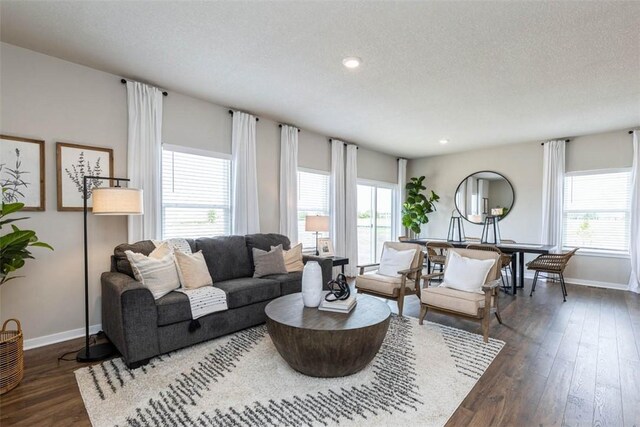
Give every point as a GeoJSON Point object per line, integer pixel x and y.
{"type": "Point", "coordinates": [444, 141]}
{"type": "Point", "coordinates": [351, 62]}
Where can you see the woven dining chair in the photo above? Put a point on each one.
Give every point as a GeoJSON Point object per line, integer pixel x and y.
{"type": "Point", "coordinates": [551, 264]}
{"type": "Point", "coordinates": [505, 261]}
{"type": "Point", "coordinates": [437, 254]}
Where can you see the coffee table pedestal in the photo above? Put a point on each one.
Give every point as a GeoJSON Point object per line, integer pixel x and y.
{"type": "Point", "coordinates": [325, 344]}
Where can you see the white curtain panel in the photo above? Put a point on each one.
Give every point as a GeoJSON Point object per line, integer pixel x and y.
{"type": "Point", "coordinates": [144, 158]}
{"type": "Point", "coordinates": [351, 211]}
{"type": "Point", "coordinates": [634, 246]}
{"type": "Point", "coordinates": [245, 217]}
{"type": "Point", "coordinates": [401, 194]}
{"type": "Point", "coordinates": [337, 198]}
{"type": "Point", "coordinates": [553, 193]}
{"type": "Point", "coordinates": [289, 182]}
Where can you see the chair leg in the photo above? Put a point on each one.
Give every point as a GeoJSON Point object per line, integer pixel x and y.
{"type": "Point", "coordinates": [564, 288]}
{"type": "Point", "coordinates": [498, 317]}
{"type": "Point", "coordinates": [533, 286]}
{"type": "Point", "coordinates": [423, 313]}
{"type": "Point", "coordinates": [485, 325]}
{"type": "Point", "coordinates": [400, 305]}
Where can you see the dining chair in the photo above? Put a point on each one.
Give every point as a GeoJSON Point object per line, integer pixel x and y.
{"type": "Point", "coordinates": [551, 264]}
{"type": "Point", "coordinates": [505, 261]}
{"type": "Point", "coordinates": [437, 254]}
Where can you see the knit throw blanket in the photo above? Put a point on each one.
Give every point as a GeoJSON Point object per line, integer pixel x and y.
{"type": "Point", "coordinates": [205, 300]}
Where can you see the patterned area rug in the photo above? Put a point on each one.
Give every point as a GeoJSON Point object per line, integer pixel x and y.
{"type": "Point", "coordinates": [420, 376]}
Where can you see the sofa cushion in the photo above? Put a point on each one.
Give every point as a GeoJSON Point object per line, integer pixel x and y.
{"type": "Point", "coordinates": [264, 242]}
{"type": "Point", "coordinates": [226, 256]}
{"type": "Point", "coordinates": [290, 283]}
{"type": "Point", "coordinates": [121, 263]}
{"type": "Point", "coordinates": [249, 290]}
{"type": "Point", "coordinates": [173, 308]}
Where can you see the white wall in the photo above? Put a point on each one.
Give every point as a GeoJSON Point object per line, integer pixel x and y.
{"type": "Point", "coordinates": [54, 100]}
{"type": "Point", "coordinates": [522, 165]}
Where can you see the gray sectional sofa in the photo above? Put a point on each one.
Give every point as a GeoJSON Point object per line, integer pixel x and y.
{"type": "Point", "coordinates": [141, 327]}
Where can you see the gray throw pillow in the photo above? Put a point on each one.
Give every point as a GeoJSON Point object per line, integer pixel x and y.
{"type": "Point", "coordinates": [266, 263]}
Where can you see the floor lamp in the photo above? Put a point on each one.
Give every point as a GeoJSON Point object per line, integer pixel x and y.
{"type": "Point", "coordinates": [106, 201]}
{"type": "Point", "coordinates": [317, 224]}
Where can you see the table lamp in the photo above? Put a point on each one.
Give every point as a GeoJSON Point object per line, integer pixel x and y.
{"type": "Point", "coordinates": [317, 224]}
{"type": "Point", "coordinates": [106, 201]}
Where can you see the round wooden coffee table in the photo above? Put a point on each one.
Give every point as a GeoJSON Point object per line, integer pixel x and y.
{"type": "Point", "coordinates": [326, 344]}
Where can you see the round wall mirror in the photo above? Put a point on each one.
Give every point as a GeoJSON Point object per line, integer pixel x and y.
{"type": "Point", "coordinates": [482, 194]}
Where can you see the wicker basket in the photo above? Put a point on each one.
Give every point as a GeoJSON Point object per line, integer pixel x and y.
{"type": "Point", "coordinates": [11, 357]}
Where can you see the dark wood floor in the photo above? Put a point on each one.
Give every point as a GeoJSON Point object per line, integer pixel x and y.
{"type": "Point", "coordinates": [575, 363]}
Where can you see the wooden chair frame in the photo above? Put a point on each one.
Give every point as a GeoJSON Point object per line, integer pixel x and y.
{"type": "Point", "coordinates": [404, 290]}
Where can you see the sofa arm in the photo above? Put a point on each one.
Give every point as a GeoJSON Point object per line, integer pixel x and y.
{"type": "Point", "coordinates": [129, 317]}
{"type": "Point", "coordinates": [326, 265]}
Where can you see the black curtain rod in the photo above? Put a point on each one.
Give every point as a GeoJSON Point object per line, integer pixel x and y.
{"type": "Point", "coordinates": [345, 144]}
{"type": "Point", "coordinates": [566, 140]}
{"type": "Point", "coordinates": [231, 112]}
{"type": "Point", "coordinates": [123, 81]}
{"type": "Point", "coordinates": [289, 125]}
{"type": "Point", "coordinates": [630, 132]}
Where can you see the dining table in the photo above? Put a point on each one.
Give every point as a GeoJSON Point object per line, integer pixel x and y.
{"type": "Point", "coordinates": [516, 250]}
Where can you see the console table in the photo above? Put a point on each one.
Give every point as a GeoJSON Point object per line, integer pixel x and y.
{"type": "Point", "coordinates": [516, 250]}
{"type": "Point", "coordinates": [339, 261]}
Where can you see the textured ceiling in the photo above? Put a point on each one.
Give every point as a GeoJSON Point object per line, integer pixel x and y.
{"type": "Point", "coordinates": [476, 73]}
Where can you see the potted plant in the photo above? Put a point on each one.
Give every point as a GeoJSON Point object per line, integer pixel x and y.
{"type": "Point", "coordinates": [14, 250]}
{"type": "Point", "coordinates": [417, 206]}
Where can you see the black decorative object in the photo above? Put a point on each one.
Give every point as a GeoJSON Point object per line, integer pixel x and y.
{"type": "Point", "coordinates": [491, 230]}
{"type": "Point", "coordinates": [338, 289]}
{"type": "Point", "coordinates": [456, 228]}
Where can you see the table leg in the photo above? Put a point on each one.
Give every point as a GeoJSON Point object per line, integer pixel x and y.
{"type": "Point", "coordinates": [521, 268]}
{"type": "Point", "coordinates": [428, 265]}
{"type": "Point", "coordinates": [342, 267]}
{"type": "Point", "coordinates": [514, 272]}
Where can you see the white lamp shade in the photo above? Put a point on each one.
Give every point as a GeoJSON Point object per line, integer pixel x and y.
{"type": "Point", "coordinates": [317, 223]}
{"type": "Point", "coordinates": [117, 201]}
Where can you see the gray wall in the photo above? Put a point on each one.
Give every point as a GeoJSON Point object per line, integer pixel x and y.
{"type": "Point", "coordinates": [46, 98]}
{"type": "Point", "coordinates": [522, 165]}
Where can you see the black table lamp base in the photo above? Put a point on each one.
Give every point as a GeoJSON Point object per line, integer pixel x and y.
{"type": "Point", "coordinates": [96, 352]}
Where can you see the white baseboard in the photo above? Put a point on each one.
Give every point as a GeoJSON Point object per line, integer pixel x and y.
{"type": "Point", "coordinates": [597, 284]}
{"type": "Point", "coordinates": [59, 337]}
{"type": "Point", "coordinates": [592, 283]}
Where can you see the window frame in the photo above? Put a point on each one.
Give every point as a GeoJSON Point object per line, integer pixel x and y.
{"type": "Point", "coordinates": [308, 250]}
{"type": "Point", "coordinates": [196, 152]}
{"type": "Point", "coordinates": [394, 202]}
{"type": "Point", "coordinates": [594, 252]}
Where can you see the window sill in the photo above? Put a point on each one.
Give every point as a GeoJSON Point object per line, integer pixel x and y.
{"type": "Point", "coordinates": [600, 253]}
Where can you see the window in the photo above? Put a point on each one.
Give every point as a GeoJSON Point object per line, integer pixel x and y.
{"type": "Point", "coordinates": [313, 199]}
{"type": "Point", "coordinates": [375, 220]}
{"type": "Point", "coordinates": [195, 193]}
{"type": "Point", "coordinates": [597, 210]}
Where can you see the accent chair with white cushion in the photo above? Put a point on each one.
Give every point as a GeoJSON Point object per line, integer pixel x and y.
{"type": "Point", "coordinates": [398, 274]}
{"type": "Point", "coordinates": [469, 287]}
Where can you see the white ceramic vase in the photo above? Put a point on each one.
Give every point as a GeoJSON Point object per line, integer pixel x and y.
{"type": "Point", "coordinates": [311, 284]}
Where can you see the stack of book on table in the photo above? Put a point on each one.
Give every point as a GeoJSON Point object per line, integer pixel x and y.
{"type": "Point", "coordinates": [343, 306]}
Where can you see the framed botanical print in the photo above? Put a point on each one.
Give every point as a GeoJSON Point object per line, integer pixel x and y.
{"type": "Point", "coordinates": [73, 163]}
{"type": "Point", "coordinates": [22, 171]}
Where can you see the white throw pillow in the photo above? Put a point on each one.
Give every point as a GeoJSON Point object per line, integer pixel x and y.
{"type": "Point", "coordinates": [466, 274]}
{"type": "Point", "coordinates": [192, 270]}
{"type": "Point", "coordinates": [393, 261]}
{"type": "Point", "coordinates": [156, 272]}
{"type": "Point", "coordinates": [292, 258]}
